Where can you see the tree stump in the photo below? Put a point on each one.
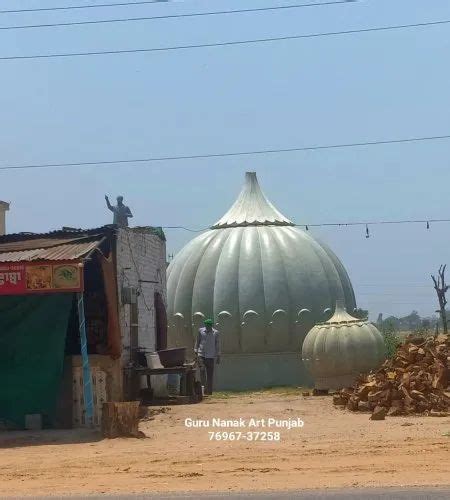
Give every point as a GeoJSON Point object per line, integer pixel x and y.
{"type": "Point", "coordinates": [379, 413]}
{"type": "Point", "coordinates": [120, 419]}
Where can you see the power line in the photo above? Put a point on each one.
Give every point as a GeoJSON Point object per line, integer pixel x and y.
{"type": "Point", "coordinates": [225, 44]}
{"type": "Point", "coordinates": [186, 228]}
{"type": "Point", "coordinates": [73, 7]}
{"type": "Point", "coordinates": [376, 223]}
{"type": "Point", "coordinates": [224, 155]}
{"type": "Point", "coordinates": [425, 293]}
{"type": "Point", "coordinates": [177, 16]}
{"type": "Point", "coordinates": [417, 302]}
{"type": "Point", "coordinates": [333, 224]}
{"type": "Point", "coordinates": [402, 285]}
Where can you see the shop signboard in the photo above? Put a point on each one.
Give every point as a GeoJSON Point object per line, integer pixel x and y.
{"type": "Point", "coordinates": [18, 278]}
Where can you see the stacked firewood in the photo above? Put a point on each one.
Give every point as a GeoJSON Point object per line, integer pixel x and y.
{"type": "Point", "coordinates": [414, 381]}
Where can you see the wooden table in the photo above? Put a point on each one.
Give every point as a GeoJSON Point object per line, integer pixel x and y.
{"type": "Point", "coordinates": [187, 372]}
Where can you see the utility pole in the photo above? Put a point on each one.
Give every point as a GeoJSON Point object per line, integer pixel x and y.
{"type": "Point", "coordinates": [441, 289]}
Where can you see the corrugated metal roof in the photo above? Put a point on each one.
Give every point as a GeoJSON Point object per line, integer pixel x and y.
{"type": "Point", "coordinates": [38, 243]}
{"type": "Point", "coordinates": [67, 251]}
{"type": "Point", "coordinates": [66, 233]}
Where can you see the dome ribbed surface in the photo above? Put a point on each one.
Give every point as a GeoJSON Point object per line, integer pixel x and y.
{"type": "Point", "coordinates": [337, 351]}
{"type": "Point", "coordinates": [264, 281]}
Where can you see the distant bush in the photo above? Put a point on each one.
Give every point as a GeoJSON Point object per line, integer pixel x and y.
{"type": "Point", "coordinates": [391, 341]}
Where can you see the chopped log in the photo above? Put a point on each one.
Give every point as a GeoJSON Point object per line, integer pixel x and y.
{"type": "Point", "coordinates": [375, 396]}
{"type": "Point", "coordinates": [120, 420]}
{"type": "Point", "coordinates": [397, 408]}
{"type": "Point", "coordinates": [372, 406]}
{"type": "Point", "coordinates": [364, 391]}
{"type": "Point", "coordinates": [406, 379]}
{"type": "Point", "coordinates": [364, 406]}
{"type": "Point", "coordinates": [414, 381]}
{"type": "Point", "coordinates": [352, 403]}
{"type": "Point", "coordinates": [418, 395]}
{"type": "Point", "coordinates": [439, 413]}
{"type": "Point", "coordinates": [347, 391]}
{"type": "Point", "coordinates": [339, 400]}
{"type": "Point", "coordinates": [379, 413]}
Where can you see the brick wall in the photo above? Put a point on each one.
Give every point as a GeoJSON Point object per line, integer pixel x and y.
{"type": "Point", "coordinates": [141, 255]}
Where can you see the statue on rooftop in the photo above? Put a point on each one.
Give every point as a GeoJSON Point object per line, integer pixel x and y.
{"type": "Point", "coordinates": [121, 212]}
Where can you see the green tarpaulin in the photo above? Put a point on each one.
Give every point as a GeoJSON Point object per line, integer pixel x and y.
{"type": "Point", "coordinates": [32, 338]}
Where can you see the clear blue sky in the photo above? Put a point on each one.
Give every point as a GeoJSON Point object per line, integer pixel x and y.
{"type": "Point", "coordinates": [353, 88]}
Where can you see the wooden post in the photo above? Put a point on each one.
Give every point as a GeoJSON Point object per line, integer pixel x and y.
{"type": "Point", "coordinates": [441, 289]}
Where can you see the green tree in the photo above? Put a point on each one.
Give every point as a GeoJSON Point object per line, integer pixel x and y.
{"type": "Point", "coordinates": [361, 313]}
{"type": "Point", "coordinates": [390, 336]}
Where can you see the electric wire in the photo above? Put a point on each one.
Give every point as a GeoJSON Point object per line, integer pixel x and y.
{"type": "Point", "coordinates": [396, 294]}
{"type": "Point", "coordinates": [331, 224]}
{"type": "Point", "coordinates": [177, 16]}
{"type": "Point", "coordinates": [225, 155]}
{"type": "Point", "coordinates": [78, 7]}
{"type": "Point", "coordinates": [403, 285]}
{"type": "Point", "coordinates": [131, 4]}
{"type": "Point", "coordinates": [229, 43]}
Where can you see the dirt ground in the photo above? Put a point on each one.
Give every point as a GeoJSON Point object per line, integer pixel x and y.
{"type": "Point", "coordinates": [335, 448]}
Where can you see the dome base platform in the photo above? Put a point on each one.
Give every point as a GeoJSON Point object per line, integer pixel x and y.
{"type": "Point", "coordinates": [335, 383]}
{"type": "Point", "coordinates": [248, 371]}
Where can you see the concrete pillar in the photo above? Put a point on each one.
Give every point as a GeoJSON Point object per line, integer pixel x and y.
{"type": "Point", "coordinates": [4, 207]}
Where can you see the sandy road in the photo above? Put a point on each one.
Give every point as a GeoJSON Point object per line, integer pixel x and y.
{"type": "Point", "coordinates": [334, 449]}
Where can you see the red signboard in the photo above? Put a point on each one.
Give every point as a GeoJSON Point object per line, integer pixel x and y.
{"type": "Point", "coordinates": [18, 278]}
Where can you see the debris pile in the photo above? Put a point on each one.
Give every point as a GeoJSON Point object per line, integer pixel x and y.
{"type": "Point", "coordinates": [414, 381]}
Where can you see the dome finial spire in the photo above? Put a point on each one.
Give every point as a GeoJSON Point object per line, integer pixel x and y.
{"type": "Point", "coordinates": [252, 208]}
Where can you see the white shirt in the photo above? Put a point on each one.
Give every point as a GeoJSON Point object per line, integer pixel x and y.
{"type": "Point", "coordinates": [208, 343]}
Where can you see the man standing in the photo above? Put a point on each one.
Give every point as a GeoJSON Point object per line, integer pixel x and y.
{"type": "Point", "coordinates": [207, 348]}
{"type": "Point", "coordinates": [121, 212]}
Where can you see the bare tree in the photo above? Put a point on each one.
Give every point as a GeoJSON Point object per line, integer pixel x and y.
{"type": "Point", "coordinates": [441, 289]}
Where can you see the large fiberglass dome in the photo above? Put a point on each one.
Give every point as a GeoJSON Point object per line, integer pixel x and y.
{"type": "Point", "coordinates": [263, 280]}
